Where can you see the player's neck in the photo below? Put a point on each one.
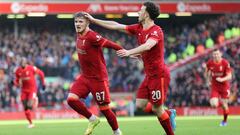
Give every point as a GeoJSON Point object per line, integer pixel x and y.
{"type": "Point", "coordinates": [147, 24]}
{"type": "Point", "coordinates": [85, 31]}
{"type": "Point", "coordinates": [218, 61]}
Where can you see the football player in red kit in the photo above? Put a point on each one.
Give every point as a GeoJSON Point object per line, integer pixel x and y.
{"type": "Point", "coordinates": [25, 79]}
{"type": "Point", "coordinates": [151, 48]}
{"type": "Point", "coordinates": [218, 73]}
{"type": "Point", "coordinates": [93, 77]}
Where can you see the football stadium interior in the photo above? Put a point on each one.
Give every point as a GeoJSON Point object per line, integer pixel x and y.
{"type": "Point", "coordinates": [43, 32]}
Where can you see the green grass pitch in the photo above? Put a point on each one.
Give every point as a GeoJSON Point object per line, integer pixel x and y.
{"type": "Point", "coordinates": [207, 125]}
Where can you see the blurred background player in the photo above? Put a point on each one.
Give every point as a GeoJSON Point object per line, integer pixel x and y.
{"type": "Point", "coordinates": [94, 76]}
{"type": "Point", "coordinates": [25, 79]}
{"type": "Point", "coordinates": [218, 74]}
{"type": "Point", "coordinates": [151, 48]}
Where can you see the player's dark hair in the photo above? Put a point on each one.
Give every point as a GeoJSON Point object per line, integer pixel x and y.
{"type": "Point", "coordinates": [79, 14]}
{"type": "Point", "coordinates": [152, 9]}
{"type": "Point", "coordinates": [216, 49]}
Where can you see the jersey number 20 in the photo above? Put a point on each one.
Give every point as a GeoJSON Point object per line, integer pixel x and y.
{"type": "Point", "coordinates": [156, 95]}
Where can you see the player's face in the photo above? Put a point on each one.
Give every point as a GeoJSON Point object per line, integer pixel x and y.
{"type": "Point", "coordinates": [23, 62]}
{"type": "Point", "coordinates": [142, 14]}
{"type": "Point", "coordinates": [81, 24]}
{"type": "Point", "coordinates": [217, 55]}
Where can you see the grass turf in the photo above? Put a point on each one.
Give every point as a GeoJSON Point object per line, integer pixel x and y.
{"type": "Point", "coordinates": [207, 125]}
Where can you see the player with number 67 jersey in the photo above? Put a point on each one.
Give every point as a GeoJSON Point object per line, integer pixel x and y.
{"type": "Point", "coordinates": [93, 78]}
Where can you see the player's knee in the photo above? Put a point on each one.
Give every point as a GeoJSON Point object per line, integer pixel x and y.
{"type": "Point", "coordinates": [72, 98]}
{"type": "Point", "coordinates": [159, 110]}
{"type": "Point", "coordinates": [214, 103]}
{"type": "Point", "coordinates": [141, 106]}
{"type": "Point", "coordinates": [225, 105]}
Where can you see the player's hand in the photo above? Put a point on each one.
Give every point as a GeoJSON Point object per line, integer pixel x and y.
{"type": "Point", "coordinates": [123, 53]}
{"type": "Point", "coordinates": [219, 79]}
{"type": "Point", "coordinates": [88, 16]}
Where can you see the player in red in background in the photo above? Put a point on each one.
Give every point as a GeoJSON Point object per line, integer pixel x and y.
{"type": "Point", "coordinates": [25, 79]}
{"type": "Point", "coordinates": [94, 76]}
{"type": "Point", "coordinates": [218, 73]}
{"type": "Point", "coordinates": [151, 47]}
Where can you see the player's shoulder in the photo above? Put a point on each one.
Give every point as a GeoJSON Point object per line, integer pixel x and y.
{"type": "Point", "coordinates": [156, 30]}
{"type": "Point", "coordinates": [17, 70]}
{"type": "Point", "coordinates": [210, 61]}
{"type": "Point", "coordinates": [136, 26]}
{"type": "Point", "coordinates": [225, 61]}
{"type": "Point", "coordinates": [31, 67]}
{"type": "Point", "coordinates": [93, 35]}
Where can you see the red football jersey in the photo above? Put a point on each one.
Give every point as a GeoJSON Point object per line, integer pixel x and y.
{"type": "Point", "coordinates": [92, 63]}
{"type": "Point", "coordinates": [153, 59]}
{"type": "Point", "coordinates": [220, 69]}
{"type": "Point", "coordinates": [27, 76]}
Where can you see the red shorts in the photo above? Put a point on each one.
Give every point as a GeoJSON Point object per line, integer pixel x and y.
{"type": "Point", "coordinates": [28, 95]}
{"type": "Point", "coordinates": [154, 89]}
{"type": "Point", "coordinates": [82, 86]}
{"type": "Point", "coordinates": [220, 92]}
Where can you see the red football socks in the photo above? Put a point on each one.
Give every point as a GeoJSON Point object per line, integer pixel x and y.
{"type": "Point", "coordinates": [79, 107]}
{"type": "Point", "coordinates": [225, 115]}
{"type": "Point", "coordinates": [28, 116]}
{"type": "Point", "coordinates": [165, 122]}
{"type": "Point", "coordinates": [111, 118]}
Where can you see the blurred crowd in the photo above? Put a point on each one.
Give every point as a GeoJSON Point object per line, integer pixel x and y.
{"type": "Point", "coordinates": [53, 50]}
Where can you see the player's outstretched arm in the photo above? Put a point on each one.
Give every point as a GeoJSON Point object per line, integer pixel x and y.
{"type": "Point", "coordinates": [112, 25]}
{"type": "Point", "coordinates": [138, 50]}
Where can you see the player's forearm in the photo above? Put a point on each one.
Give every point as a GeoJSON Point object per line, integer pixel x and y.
{"type": "Point", "coordinates": [139, 49]}
{"type": "Point", "coordinates": [112, 45]}
{"type": "Point", "coordinates": [106, 24]}
{"type": "Point", "coordinates": [227, 77]}
{"type": "Point", "coordinates": [42, 76]}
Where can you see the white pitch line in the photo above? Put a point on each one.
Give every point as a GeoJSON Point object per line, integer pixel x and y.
{"type": "Point", "coordinates": [125, 119]}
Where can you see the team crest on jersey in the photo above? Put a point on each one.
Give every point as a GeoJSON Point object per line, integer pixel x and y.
{"type": "Point", "coordinates": [146, 37]}
{"type": "Point", "coordinates": [154, 33]}
{"type": "Point", "coordinates": [220, 68]}
{"type": "Point", "coordinates": [98, 37]}
{"type": "Point", "coordinates": [83, 42]}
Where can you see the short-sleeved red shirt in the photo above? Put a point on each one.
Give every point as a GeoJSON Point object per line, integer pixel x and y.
{"type": "Point", "coordinates": [154, 58]}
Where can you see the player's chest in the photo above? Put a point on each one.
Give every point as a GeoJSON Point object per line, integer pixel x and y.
{"type": "Point", "coordinates": [25, 73]}
{"type": "Point", "coordinates": [142, 37]}
{"type": "Point", "coordinates": [84, 44]}
{"type": "Point", "coordinates": [217, 68]}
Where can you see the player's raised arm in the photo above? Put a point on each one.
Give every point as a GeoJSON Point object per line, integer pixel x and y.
{"type": "Point", "coordinates": [112, 25]}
